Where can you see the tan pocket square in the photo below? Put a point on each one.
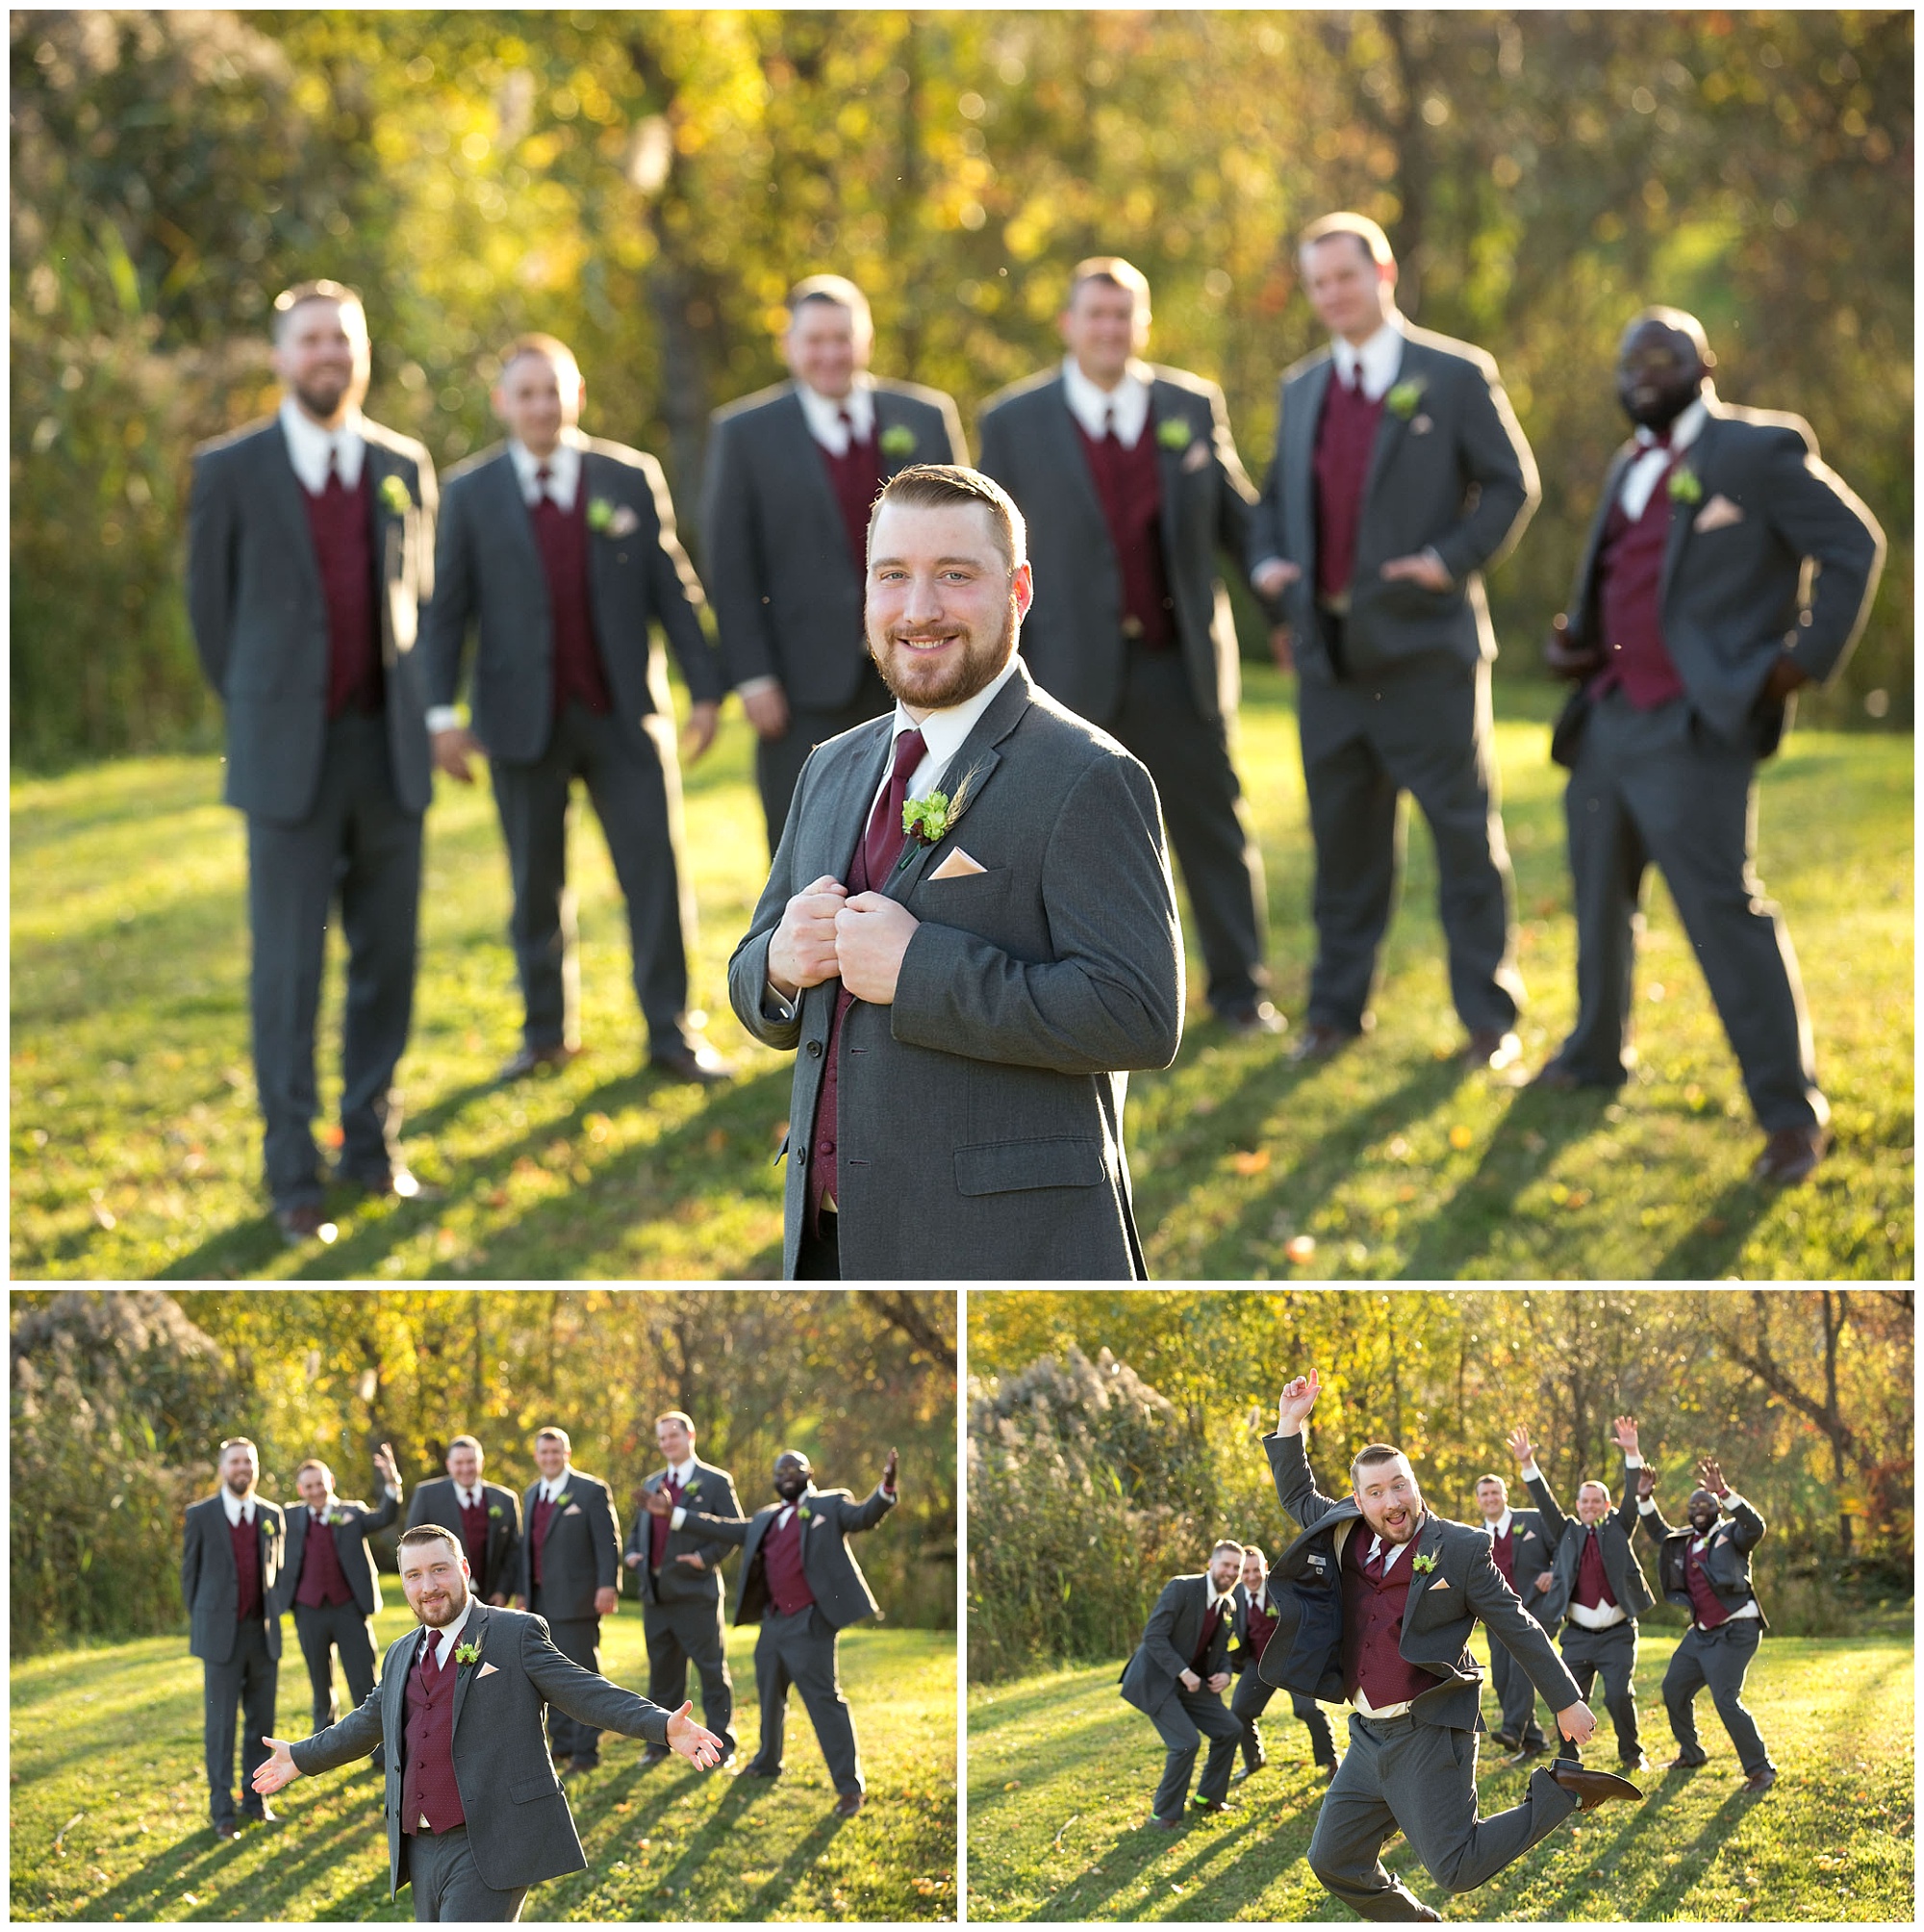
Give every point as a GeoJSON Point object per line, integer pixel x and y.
{"type": "Point", "coordinates": [1196, 458]}
{"type": "Point", "coordinates": [1439, 1583]}
{"type": "Point", "coordinates": [958, 865]}
{"type": "Point", "coordinates": [572, 1509]}
{"type": "Point", "coordinates": [486, 1671]}
{"type": "Point", "coordinates": [1718, 514]}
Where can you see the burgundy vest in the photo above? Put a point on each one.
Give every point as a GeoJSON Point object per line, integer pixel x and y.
{"type": "Point", "coordinates": [658, 1527]}
{"type": "Point", "coordinates": [341, 522]}
{"type": "Point", "coordinates": [1372, 1628]}
{"type": "Point", "coordinates": [561, 536]}
{"type": "Point", "coordinates": [781, 1567]}
{"type": "Point", "coordinates": [322, 1581]}
{"type": "Point", "coordinates": [1503, 1548]}
{"type": "Point", "coordinates": [538, 1518]}
{"type": "Point", "coordinates": [474, 1535]}
{"type": "Point", "coordinates": [1593, 1584]}
{"type": "Point", "coordinates": [1710, 1613]}
{"type": "Point", "coordinates": [1129, 484]}
{"type": "Point", "coordinates": [856, 477]}
{"type": "Point", "coordinates": [1213, 1622]}
{"type": "Point", "coordinates": [1629, 600]}
{"type": "Point", "coordinates": [248, 1567]}
{"type": "Point", "coordinates": [428, 1787]}
{"type": "Point", "coordinates": [1346, 433]}
{"type": "Point", "coordinates": [1259, 1626]}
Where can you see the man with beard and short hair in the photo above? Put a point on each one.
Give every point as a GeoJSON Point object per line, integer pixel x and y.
{"type": "Point", "coordinates": [230, 1576]}
{"type": "Point", "coordinates": [1176, 1675]}
{"type": "Point", "coordinates": [475, 1814]}
{"type": "Point", "coordinates": [801, 1582]}
{"type": "Point", "coordinates": [966, 1002]}
{"type": "Point", "coordinates": [1692, 621]}
{"type": "Point", "coordinates": [1256, 1618]}
{"type": "Point", "coordinates": [310, 550]}
{"type": "Point", "coordinates": [1520, 1547]}
{"type": "Point", "coordinates": [487, 1516]}
{"type": "Point", "coordinates": [1391, 1637]}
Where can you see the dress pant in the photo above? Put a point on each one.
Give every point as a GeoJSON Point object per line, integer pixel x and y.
{"type": "Point", "coordinates": [1719, 1658]}
{"type": "Point", "coordinates": [800, 1649]}
{"type": "Point", "coordinates": [1419, 1779]}
{"type": "Point", "coordinates": [579, 1641]}
{"type": "Point", "coordinates": [1422, 726]}
{"type": "Point", "coordinates": [1202, 807]}
{"type": "Point", "coordinates": [681, 1633]}
{"type": "Point", "coordinates": [778, 761]}
{"type": "Point", "coordinates": [1610, 1654]}
{"type": "Point", "coordinates": [1250, 1699]}
{"type": "Point", "coordinates": [438, 1867]}
{"type": "Point", "coordinates": [636, 792]}
{"type": "Point", "coordinates": [357, 845]}
{"type": "Point", "coordinates": [1183, 1720]}
{"type": "Point", "coordinates": [242, 1686]}
{"type": "Point", "coordinates": [1658, 787]}
{"type": "Point", "coordinates": [322, 1629]}
{"type": "Point", "coordinates": [1516, 1695]}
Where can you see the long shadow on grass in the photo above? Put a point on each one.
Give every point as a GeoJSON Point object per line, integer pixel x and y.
{"type": "Point", "coordinates": [1678, 1879]}
{"type": "Point", "coordinates": [1047, 1699]}
{"type": "Point", "coordinates": [807, 1852]}
{"type": "Point", "coordinates": [1707, 1252]}
{"type": "Point", "coordinates": [711, 1837]}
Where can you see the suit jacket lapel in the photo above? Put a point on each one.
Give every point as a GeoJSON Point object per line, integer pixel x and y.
{"type": "Point", "coordinates": [475, 1632]}
{"type": "Point", "coordinates": [841, 817]}
{"type": "Point", "coordinates": [1070, 459]}
{"type": "Point", "coordinates": [511, 515]}
{"type": "Point", "coordinates": [595, 471]}
{"type": "Point", "coordinates": [282, 491]}
{"type": "Point", "coordinates": [394, 1689]}
{"type": "Point", "coordinates": [1428, 1545]}
{"type": "Point", "coordinates": [1682, 516]}
{"type": "Point", "coordinates": [1390, 426]}
{"type": "Point", "coordinates": [805, 459]}
{"type": "Point", "coordinates": [1299, 431]}
{"type": "Point", "coordinates": [1594, 543]}
{"type": "Point", "coordinates": [892, 413]}
{"type": "Point", "coordinates": [1167, 405]}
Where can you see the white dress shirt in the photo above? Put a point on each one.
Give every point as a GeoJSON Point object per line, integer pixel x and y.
{"type": "Point", "coordinates": [313, 448]}
{"type": "Point", "coordinates": [235, 1505]}
{"type": "Point", "coordinates": [563, 470]}
{"type": "Point", "coordinates": [1379, 357]}
{"type": "Point", "coordinates": [1092, 405]}
{"type": "Point", "coordinates": [1361, 1699]}
{"type": "Point", "coordinates": [550, 1492]}
{"type": "Point", "coordinates": [824, 414]}
{"type": "Point", "coordinates": [469, 1499]}
{"type": "Point", "coordinates": [1641, 475]}
{"type": "Point", "coordinates": [447, 1637]}
{"type": "Point", "coordinates": [1500, 1527]}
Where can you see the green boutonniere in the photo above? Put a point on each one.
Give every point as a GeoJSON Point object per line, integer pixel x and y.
{"type": "Point", "coordinates": [338, 1515]}
{"type": "Point", "coordinates": [1402, 400]}
{"type": "Point", "coordinates": [1423, 1564]}
{"type": "Point", "coordinates": [468, 1653]}
{"type": "Point", "coordinates": [897, 440]}
{"type": "Point", "coordinates": [694, 1484]}
{"type": "Point", "coordinates": [1684, 487]}
{"type": "Point", "coordinates": [1174, 434]}
{"type": "Point", "coordinates": [600, 512]}
{"type": "Point", "coordinates": [494, 1509]}
{"type": "Point", "coordinates": [563, 1497]}
{"type": "Point", "coordinates": [804, 1512]}
{"type": "Point", "coordinates": [927, 819]}
{"type": "Point", "coordinates": [394, 496]}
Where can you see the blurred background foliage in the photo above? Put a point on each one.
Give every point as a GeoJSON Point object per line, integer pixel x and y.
{"type": "Point", "coordinates": [648, 184]}
{"type": "Point", "coordinates": [119, 1399]}
{"type": "Point", "coordinates": [1113, 1435]}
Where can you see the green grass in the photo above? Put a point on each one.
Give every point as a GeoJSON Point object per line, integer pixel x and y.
{"type": "Point", "coordinates": [106, 1744]}
{"type": "Point", "coordinates": [136, 1142]}
{"type": "Point", "coordinates": [1060, 1772]}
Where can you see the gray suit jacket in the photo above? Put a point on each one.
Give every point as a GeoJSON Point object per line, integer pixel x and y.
{"type": "Point", "coordinates": [1454, 475]}
{"type": "Point", "coordinates": [1735, 594]}
{"type": "Point", "coordinates": [1072, 637]}
{"type": "Point", "coordinates": [437, 1503]}
{"type": "Point", "coordinates": [1726, 1557]}
{"type": "Point", "coordinates": [211, 1586]}
{"type": "Point", "coordinates": [787, 594]}
{"type": "Point", "coordinates": [1461, 1585]}
{"type": "Point", "coordinates": [259, 617]}
{"type": "Point", "coordinates": [488, 577]}
{"type": "Point", "coordinates": [1532, 1543]}
{"type": "Point", "coordinates": [711, 1491]}
{"type": "Point", "coordinates": [350, 1545]}
{"type": "Point", "coordinates": [1171, 1637]}
{"type": "Point", "coordinates": [981, 1130]}
{"type": "Point", "coordinates": [1620, 1565]}
{"type": "Point", "coordinates": [580, 1554]}
{"type": "Point", "coordinates": [519, 1827]}
{"type": "Point", "coordinates": [834, 1577]}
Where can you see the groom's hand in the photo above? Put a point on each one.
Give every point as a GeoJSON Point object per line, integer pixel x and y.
{"type": "Point", "coordinates": [1578, 1723]}
{"type": "Point", "coordinates": [1296, 1400]}
{"type": "Point", "coordinates": [888, 1472]}
{"type": "Point", "coordinates": [701, 1748]}
{"type": "Point", "coordinates": [872, 934]}
{"type": "Point", "coordinates": [801, 950]}
{"type": "Point", "coordinates": [279, 1771]}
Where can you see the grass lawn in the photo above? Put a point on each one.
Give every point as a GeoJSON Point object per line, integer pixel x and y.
{"type": "Point", "coordinates": [109, 1802]}
{"type": "Point", "coordinates": [1060, 1772]}
{"type": "Point", "coordinates": [136, 1144]}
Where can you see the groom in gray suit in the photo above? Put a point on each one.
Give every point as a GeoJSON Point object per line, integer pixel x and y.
{"type": "Point", "coordinates": [1400, 477]}
{"type": "Point", "coordinates": [1130, 485]}
{"type": "Point", "coordinates": [310, 548]}
{"type": "Point", "coordinates": [966, 999]}
{"type": "Point", "coordinates": [792, 471]}
{"type": "Point", "coordinates": [561, 548]}
{"type": "Point", "coordinates": [1690, 627]}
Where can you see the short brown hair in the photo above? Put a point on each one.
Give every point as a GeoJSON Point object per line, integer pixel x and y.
{"type": "Point", "coordinates": [1375, 243]}
{"type": "Point", "coordinates": [1371, 1453]}
{"type": "Point", "coordinates": [1256, 1550]}
{"type": "Point", "coordinates": [1112, 270]}
{"type": "Point", "coordinates": [228, 1442]}
{"type": "Point", "coordinates": [935, 486]}
{"type": "Point", "coordinates": [836, 289]}
{"type": "Point", "coordinates": [1227, 1544]}
{"type": "Point", "coordinates": [320, 290]}
{"type": "Point", "coordinates": [1493, 1477]}
{"type": "Point", "coordinates": [427, 1533]}
{"type": "Point", "coordinates": [559, 1435]}
{"type": "Point", "coordinates": [462, 1442]}
{"type": "Point", "coordinates": [313, 1463]}
{"type": "Point", "coordinates": [534, 343]}
{"type": "Point", "coordinates": [680, 1415]}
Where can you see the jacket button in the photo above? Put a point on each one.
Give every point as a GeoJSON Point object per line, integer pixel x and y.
{"type": "Point", "coordinates": [799, 1153]}
{"type": "Point", "coordinates": [815, 1050]}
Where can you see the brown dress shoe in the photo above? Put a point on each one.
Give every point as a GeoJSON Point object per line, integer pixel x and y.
{"type": "Point", "coordinates": [1209, 1807]}
{"type": "Point", "coordinates": [1556, 1079]}
{"type": "Point", "coordinates": [1318, 1041]}
{"type": "Point", "coordinates": [1687, 1763]}
{"type": "Point", "coordinates": [1760, 1783]}
{"type": "Point", "coordinates": [304, 1222]}
{"type": "Point", "coordinates": [693, 1061]}
{"type": "Point", "coordinates": [1163, 1823]}
{"type": "Point", "coordinates": [1251, 1018]}
{"type": "Point", "coordinates": [1591, 1788]}
{"type": "Point", "coordinates": [1789, 1155]}
{"type": "Point", "coordinates": [1328, 1772]}
{"type": "Point", "coordinates": [1492, 1047]}
{"type": "Point", "coordinates": [847, 1804]}
{"type": "Point", "coordinates": [227, 1831]}
{"type": "Point", "coordinates": [531, 1060]}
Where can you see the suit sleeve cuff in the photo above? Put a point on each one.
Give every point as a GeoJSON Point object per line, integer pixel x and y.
{"type": "Point", "coordinates": [443, 718]}
{"type": "Point", "coordinates": [1529, 1472]}
{"type": "Point", "coordinates": [775, 1007]}
{"type": "Point", "coordinates": [1728, 1501]}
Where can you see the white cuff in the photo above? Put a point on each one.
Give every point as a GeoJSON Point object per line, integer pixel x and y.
{"type": "Point", "coordinates": [443, 718]}
{"type": "Point", "coordinates": [1631, 1459]}
{"type": "Point", "coordinates": [753, 687]}
{"type": "Point", "coordinates": [1529, 1472]}
{"type": "Point", "coordinates": [676, 1517]}
{"type": "Point", "coordinates": [784, 1010]}
{"type": "Point", "coordinates": [1648, 1505]}
{"type": "Point", "coordinates": [1728, 1501]}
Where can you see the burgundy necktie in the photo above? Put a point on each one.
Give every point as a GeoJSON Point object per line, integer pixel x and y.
{"type": "Point", "coordinates": [1377, 1563]}
{"type": "Point", "coordinates": [883, 841]}
{"type": "Point", "coordinates": [540, 484]}
{"type": "Point", "coordinates": [1110, 422]}
{"type": "Point", "coordinates": [848, 428]}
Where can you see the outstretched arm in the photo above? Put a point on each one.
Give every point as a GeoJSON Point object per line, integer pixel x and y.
{"type": "Point", "coordinates": [1648, 1514]}
{"type": "Point", "coordinates": [865, 1515]}
{"type": "Point", "coordinates": [356, 1735]}
{"type": "Point", "coordinates": [590, 1699]}
{"type": "Point", "coordinates": [1748, 1524]}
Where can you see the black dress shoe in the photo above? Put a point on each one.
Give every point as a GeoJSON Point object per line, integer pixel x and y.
{"type": "Point", "coordinates": [1506, 1740]}
{"type": "Point", "coordinates": [1591, 1788]}
{"type": "Point", "coordinates": [1319, 1041]}
{"type": "Point", "coordinates": [756, 1769]}
{"type": "Point", "coordinates": [304, 1222]}
{"type": "Point", "coordinates": [1684, 1764]}
{"type": "Point", "coordinates": [230, 1830]}
{"type": "Point", "coordinates": [1494, 1047]}
{"type": "Point", "coordinates": [383, 1182]}
{"type": "Point", "coordinates": [267, 1815]}
{"type": "Point", "coordinates": [579, 1764]}
{"type": "Point", "coordinates": [1248, 1018]}
{"type": "Point", "coordinates": [655, 1754]}
{"type": "Point", "coordinates": [1628, 1767]}
{"type": "Point", "coordinates": [1163, 1823]}
{"type": "Point", "coordinates": [531, 1060]}
{"type": "Point", "coordinates": [1558, 1079]}
{"type": "Point", "coordinates": [1247, 1772]}
{"type": "Point", "coordinates": [691, 1060]}
{"type": "Point", "coordinates": [1525, 1752]}
{"type": "Point", "coordinates": [1209, 1807]}
{"type": "Point", "coordinates": [847, 1804]}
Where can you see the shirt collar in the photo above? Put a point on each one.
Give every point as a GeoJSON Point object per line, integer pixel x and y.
{"type": "Point", "coordinates": [682, 1471]}
{"type": "Point", "coordinates": [1683, 432]}
{"type": "Point", "coordinates": [1396, 1550]}
{"type": "Point", "coordinates": [1089, 403]}
{"type": "Point", "coordinates": [1216, 1595]}
{"type": "Point", "coordinates": [234, 1505]}
{"type": "Point", "coordinates": [450, 1635]}
{"type": "Point", "coordinates": [945, 732]}
{"type": "Point", "coordinates": [563, 469]}
{"type": "Point", "coordinates": [823, 413]}
{"type": "Point", "coordinates": [310, 446]}
{"type": "Point", "coordinates": [460, 1494]}
{"type": "Point", "coordinates": [1500, 1527]}
{"type": "Point", "coordinates": [325, 1507]}
{"type": "Point", "coordinates": [1380, 356]}
{"type": "Point", "coordinates": [561, 1483]}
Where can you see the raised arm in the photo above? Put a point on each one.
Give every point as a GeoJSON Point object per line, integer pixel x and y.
{"type": "Point", "coordinates": [1289, 1456]}
{"type": "Point", "coordinates": [1749, 1525]}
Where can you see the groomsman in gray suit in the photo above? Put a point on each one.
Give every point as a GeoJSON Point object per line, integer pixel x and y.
{"type": "Point", "coordinates": [561, 549]}
{"type": "Point", "coordinates": [476, 1814]}
{"type": "Point", "coordinates": [677, 1573]}
{"type": "Point", "coordinates": [1130, 485]}
{"type": "Point", "coordinates": [1400, 477]}
{"type": "Point", "coordinates": [328, 1579]}
{"type": "Point", "coordinates": [487, 1516]}
{"type": "Point", "coordinates": [1176, 1677]}
{"type": "Point", "coordinates": [1256, 1621]}
{"type": "Point", "coordinates": [230, 1575]}
{"type": "Point", "coordinates": [801, 1582]}
{"type": "Point", "coordinates": [310, 548]}
{"type": "Point", "coordinates": [1520, 1547]}
{"type": "Point", "coordinates": [1392, 1638]}
{"type": "Point", "coordinates": [966, 999]}
{"type": "Point", "coordinates": [792, 471]}
{"type": "Point", "coordinates": [1691, 626]}
{"type": "Point", "coordinates": [570, 1566]}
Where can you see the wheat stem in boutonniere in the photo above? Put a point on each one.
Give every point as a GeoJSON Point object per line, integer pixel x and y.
{"type": "Point", "coordinates": [468, 1653]}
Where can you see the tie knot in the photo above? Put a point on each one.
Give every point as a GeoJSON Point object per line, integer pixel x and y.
{"type": "Point", "coordinates": [910, 749]}
{"type": "Point", "coordinates": [1659, 439]}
